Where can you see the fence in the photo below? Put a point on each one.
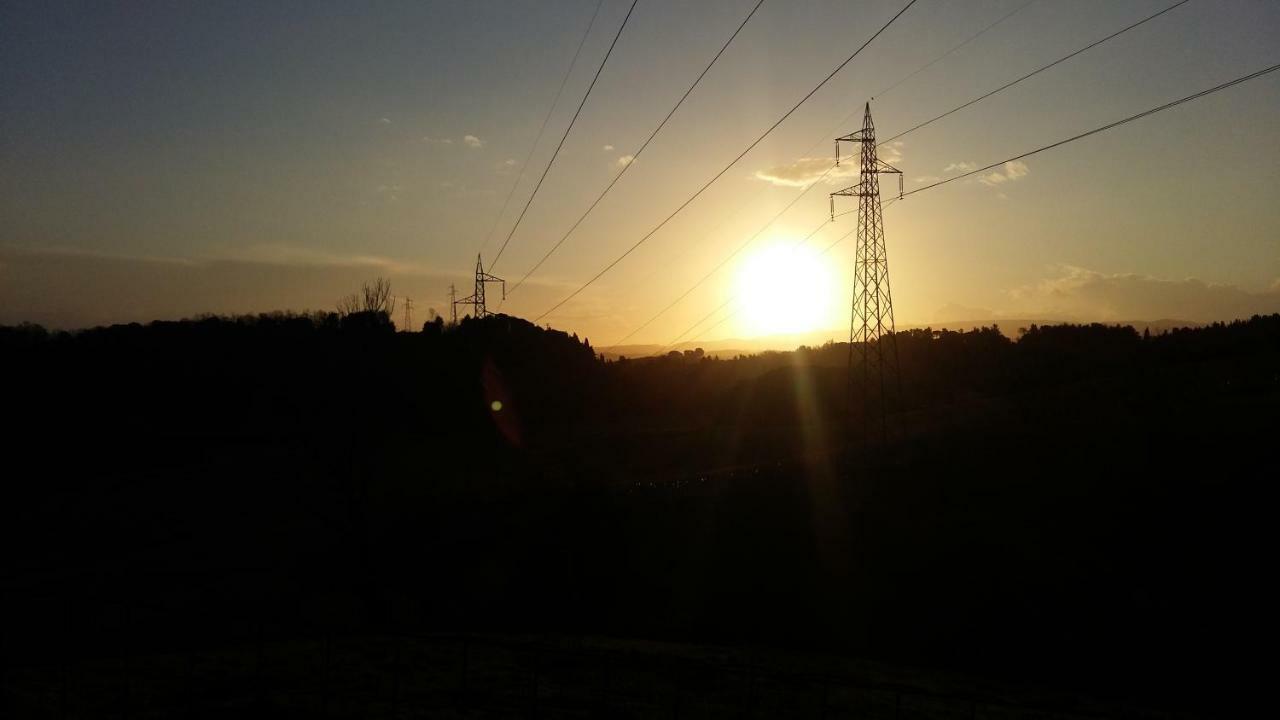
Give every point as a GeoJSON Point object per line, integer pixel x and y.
{"type": "Point", "coordinates": [373, 676]}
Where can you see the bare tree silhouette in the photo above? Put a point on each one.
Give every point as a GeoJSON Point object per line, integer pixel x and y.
{"type": "Point", "coordinates": [378, 297]}
{"type": "Point", "coordinates": [374, 297]}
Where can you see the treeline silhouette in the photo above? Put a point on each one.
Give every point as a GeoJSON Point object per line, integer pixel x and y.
{"type": "Point", "coordinates": [1082, 505]}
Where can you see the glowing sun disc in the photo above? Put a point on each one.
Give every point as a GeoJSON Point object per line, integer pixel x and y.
{"type": "Point", "coordinates": [784, 288]}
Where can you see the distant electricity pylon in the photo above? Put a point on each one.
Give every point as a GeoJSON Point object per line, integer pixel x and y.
{"type": "Point", "coordinates": [453, 305]}
{"type": "Point", "coordinates": [476, 299]}
{"type": "Point", "coordinates": [871, 328]}
{"type": "Point", "coordinates": [408, 314]}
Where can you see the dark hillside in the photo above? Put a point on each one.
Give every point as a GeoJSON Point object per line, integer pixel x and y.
{"type": "Point", "coordinates": [1083, 507]}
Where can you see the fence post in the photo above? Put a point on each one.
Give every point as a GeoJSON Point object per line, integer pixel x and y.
{"type": "Point", "coordinates": [259, 675]}
{"type": "Point", "coordinates": [191, 682]}
{"type": "Point", "coordinates": [131, 634]}
{"type": "Point", "coordinates": [327, 645]}
{"type": "Point", "coordinates": [466, 650]}
{"type": "Point", "coordinates": [62, 689]}
{"type": "Point", "coordinates": [534, 695]}
{"type": "Point", "coordinates": [395, 676]}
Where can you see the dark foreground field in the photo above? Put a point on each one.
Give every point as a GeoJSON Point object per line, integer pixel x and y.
{"type": "Point", "coordinates": [410, 676]}
{"type": "Point", "coordinates": [288, 516]}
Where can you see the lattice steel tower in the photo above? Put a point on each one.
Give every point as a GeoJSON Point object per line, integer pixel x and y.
{"type": "Point", "coordinates": [476, 299]}
{"type": "Point", "coordinates": [871, 329]}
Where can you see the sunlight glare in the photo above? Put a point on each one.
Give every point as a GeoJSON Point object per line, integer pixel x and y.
{"type": "Point", "coordinates": [785, 288]}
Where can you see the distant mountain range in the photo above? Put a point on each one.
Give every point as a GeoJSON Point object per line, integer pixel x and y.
{"type": "Point", "coordinates": [746, 346]}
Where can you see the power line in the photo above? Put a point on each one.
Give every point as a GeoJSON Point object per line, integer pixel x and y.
{"type": "Point", "coordinates": [824, 175]}
{"type": "Point", "coordinates": [722, 263]}
{"type": "Point", "coordinates": [706, 317]}
{"type": "Point", "coordinates": [572, 64]}
{"type": "Point", "coordinates": [564, 137]}
{"type": "Point", "coordinates": [1095, 131]}
{"type": "Point", "coordinates": [753, 200]}
{"type": "Point", "coordinates": [1037, 71]}
{"type": "Point", "coordinates": [726, 168]}
{"type": "Point", "coordinates": [636, 155]}
{"type": "Point", "coordinates": [1104, 128]}
{"type": "Point", "coordinates": [947, 54]}
{"type": "Point", "coordinates": [722, 320]}
{"type": "Point", "coordinates": [883, 92]}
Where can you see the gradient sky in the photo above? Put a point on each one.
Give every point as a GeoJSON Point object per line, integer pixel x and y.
{"type": "Point", "coordinates": [162, 159]}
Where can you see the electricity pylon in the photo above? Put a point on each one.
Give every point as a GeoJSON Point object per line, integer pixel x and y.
{"type": "Point", "coordinates": [871, 328]}
{"type": "Point", "coordinates": [453, 305]}
{"type": "Point", "coordinates": [476, 299]}
{"type": "Point", "coordinates": [408, 314]}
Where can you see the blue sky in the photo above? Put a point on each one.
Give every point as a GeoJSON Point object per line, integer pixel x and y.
{"type": "Point", "coordinates": [163, 159]}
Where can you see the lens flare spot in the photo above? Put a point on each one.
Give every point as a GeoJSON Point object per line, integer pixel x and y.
{"type": "Point", "coordinates": [496, 406]}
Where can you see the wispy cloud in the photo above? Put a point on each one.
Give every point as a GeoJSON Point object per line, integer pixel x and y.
{"type": "Point", "coordinates": [389, 191]}
{"type": "Point", "coordinates": [960, 167]}
{"type": "Point", "coordinates": [384, 121]}
{"type": "Point", "coordinates": [926, 179]}
{"type": "Point", "coordinates": [806, 170]}
{"type": "Point", "coordinates": [70, 287]}
{"type": "Point", "coordinates": [472, 141]}
{"type": "Point", "coordinates": [297, 256]}
{"type": "Point", "coordinates": [624, 161]}
{"type": "Point", "coordinates": [1015, 170]}
{"type": "Point", "coordinates": [70, 252]}
{"type": "Point", "coordinates": [607, 148]}
{"type": "Point", "coordinates": [437, 141]}
{"type": "Point", "coordinates": [891, 152]}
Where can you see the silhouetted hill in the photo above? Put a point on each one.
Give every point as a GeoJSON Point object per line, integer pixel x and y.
{"type": "Point", "coordinates": [1084, 506]}
{"type": "Point", "coordinates": [732, 347]}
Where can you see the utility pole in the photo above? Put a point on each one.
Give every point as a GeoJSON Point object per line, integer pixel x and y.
{"type": "Point", "coordinates": [871, 327]}
{"type": "Point", "coordinates": [453, 305]}
{"type": "Point", "coordinates": [476, 299]}
{"type": "Point", "coordinates": [408, 314]}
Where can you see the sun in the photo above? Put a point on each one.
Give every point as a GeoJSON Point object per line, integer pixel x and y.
{"type": "Point", "coordinates": [785, 288]}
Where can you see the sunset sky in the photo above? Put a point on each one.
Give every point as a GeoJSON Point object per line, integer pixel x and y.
{"type": "Point", "coordinates": [163, 159]}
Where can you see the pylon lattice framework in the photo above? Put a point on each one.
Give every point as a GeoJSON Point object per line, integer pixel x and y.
{"type": "Point", "coordinates": [871, 326]}
{"type": "Point", "coordinates": [476, 299]}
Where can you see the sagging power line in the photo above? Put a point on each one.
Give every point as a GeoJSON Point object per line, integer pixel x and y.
{"type": "Point", "coordinates": [564, 137]}
{"type": "Point", "coordinates": [1103, 128]}
{"type": "Point", "coordinates": [727, 167]}
{"type": "Point", "coordinates": [829, 170]}
{"type": "Point", "coordinates": [1059, 143]}
{"type": "Point", "coordinates": [538, 139]}
{"type": "Point", "coordinates": [636, 155]}
{"type": "Point", "coordinates": [945, 55]}
{"type": "Point", "coordinates": [1035, 72]}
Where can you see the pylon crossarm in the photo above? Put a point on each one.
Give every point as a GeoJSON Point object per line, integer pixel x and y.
{"type": "Point", "coordinates": [884, 167]}
{"type": "Point", "coordinates": [852, 137]}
